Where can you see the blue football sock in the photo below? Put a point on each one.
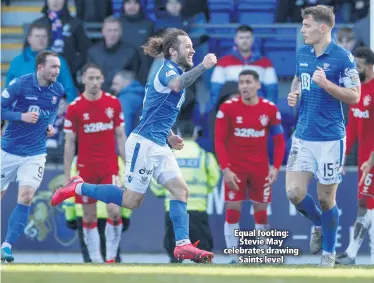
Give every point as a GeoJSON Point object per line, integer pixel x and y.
{"type": "Point", "coordinates": [104, 193]}
{"type": "Point", "coordinates": [309, 209]}
{"type": "Point", "coordinates": [17, 222]}
{"type": "Point", "coordinates": [179, 217]}
{"type": "Point", "coordinates": [330, 223]}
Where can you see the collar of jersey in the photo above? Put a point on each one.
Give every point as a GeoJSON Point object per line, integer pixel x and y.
{"type": "Point", "coordinates": [36, 83]}
{"type": "Point", "coordinates": [328, 49]}
{"type": "Point", "coordinates": [174, 64]}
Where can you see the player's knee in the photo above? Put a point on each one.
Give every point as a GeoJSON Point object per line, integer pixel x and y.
{"type": "Point", "coordinates": [132, 200]}
{"type": "Point", "coordinates": [232, 216]}
{"type": "Point", "coordinates": [114, 212]}
{"type": "Point", "coordinates": [25, 196]}
{"type": "Point", "coordinates": [294, 194]}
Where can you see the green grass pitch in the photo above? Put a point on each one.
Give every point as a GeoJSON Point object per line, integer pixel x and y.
{"type": "Point", "coordinates": [186, 273]}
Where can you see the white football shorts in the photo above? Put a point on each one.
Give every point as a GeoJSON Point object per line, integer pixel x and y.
{"type": "Point", "coordinates": [146, 159]}
{"type": "Point", "coordinates": [26, 170]}
{"type": "Point", "coordinates": [324, 159]}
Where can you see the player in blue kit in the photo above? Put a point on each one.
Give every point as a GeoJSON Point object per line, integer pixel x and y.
{"type": "Point", "coordinates": [327, 75]}
{"type": "Point", "coordinates": [147, 152]}
{"type": "Point", "coordinates": [30, 105]}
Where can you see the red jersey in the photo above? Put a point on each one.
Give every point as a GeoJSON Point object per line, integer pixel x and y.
{"type": "Point", "coordinates": [361, 123]}
{"type": "Point", "coordinates": [241, 134]}
{"type": "Point", "coordinates": [95, 122]}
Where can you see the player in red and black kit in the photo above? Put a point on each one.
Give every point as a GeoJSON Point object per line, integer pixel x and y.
{"type": "Point", "coordinates": [241, 133]}
{"type": "Point", "coordinates": [360, 127]}
{"type": "Point", "coordinates": [95, 121]}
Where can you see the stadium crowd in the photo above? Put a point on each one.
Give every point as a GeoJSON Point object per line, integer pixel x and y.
{"type": "Point", "coordinates": [126, 26]}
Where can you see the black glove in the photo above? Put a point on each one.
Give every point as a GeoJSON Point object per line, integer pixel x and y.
{"type": "Point", "coordinates": [72, 224]}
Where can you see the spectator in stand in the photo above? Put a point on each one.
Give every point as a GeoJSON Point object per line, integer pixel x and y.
{"type": "Point", "coordinates": [190, 8]}
{"type": "Point", "coordinates": [242, 57]}
{"type": "Point", "coordinates": [113, 54]}
{"type": "Point", "coordinates": [130, 93]}
{"type": "Point", "coordinates": [136, 30]}
{"type": "Point", "coordinates": [346, 38]}
{"type": "Point", "coordinates": [362, 31]}
{"type": "Point", "coordinates": [24, 63]}
{"type": "Point", "coordinates": [173, 18]}
{"type": "Point", "coordinates": [93, 10]}
{"type": "Point", "coordinates": [67, 35]}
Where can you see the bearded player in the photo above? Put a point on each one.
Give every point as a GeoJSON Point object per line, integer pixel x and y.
{"type": "Point", "coordinates": [242, 128]}
{"type": "Point", "coordinates": [95, 121]}
{"type": "Point", "coordinates": [147, 152]}
{"type": "Point", "coordinates": [360, 128]}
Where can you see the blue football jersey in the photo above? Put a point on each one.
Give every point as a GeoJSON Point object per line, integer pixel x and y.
{"type": "Point", "coordinates": [161, 105]}
{"type": "Point", "coordinates": [321, 115]}
{"type": "Point", "coordinates": [25, 95]}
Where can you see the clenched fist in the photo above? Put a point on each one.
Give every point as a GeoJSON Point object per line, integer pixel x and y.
{"type": "Point", "coordinates": [209, 61]}
{"type": "Point", "coordinates": [30, 117]}
{"type": "Point", "coordinates": [293, 97]}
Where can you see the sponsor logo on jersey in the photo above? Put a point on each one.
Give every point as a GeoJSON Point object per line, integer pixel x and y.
{"type": "Point", "coordinates": [304, 65]}
{"type": "Point", "coordinates": [31, 98]}
{"type": "Point", "coordinates": [144, 171]}
{"type": "Point", "coordinates": [97, 127]}
{"type": "Point", "coordinates": [42, 113]}
{"type": "Point", "coordinates": [248, 133]}
{"type": "Point", "coordinates": [361, 114]}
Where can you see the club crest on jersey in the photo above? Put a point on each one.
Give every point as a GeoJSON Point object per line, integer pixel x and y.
{"type": "Point", "coordinates": [54, 100]}
{"type": "Point", "coordinates": [264, 120]}
{"type": "Point", "coordinates": [231, 195]}
{"type": "Point", "coordinates": [86, 116]}
{"type": "Point", "coordinates": [109, 112]}
{"type": "Point", "coordinates": [367, 100]}
{"type": "Point", "coordinates": [326, 66]}
{"type": "Point", "coordinates": [239, 120]}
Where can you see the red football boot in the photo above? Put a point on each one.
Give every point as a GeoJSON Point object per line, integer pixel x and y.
{"type": "Point", "coordinates": [191, 252]}
{"type": "Point", "coordinates": [67, 191]}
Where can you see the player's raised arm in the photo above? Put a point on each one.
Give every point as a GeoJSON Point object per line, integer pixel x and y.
{"type": "Point", "coordinates": [188, 78]}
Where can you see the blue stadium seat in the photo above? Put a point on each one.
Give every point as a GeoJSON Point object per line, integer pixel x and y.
{"type": "Point", "coordinates": [256, 12]}
{"type": "Point", "coordinates": [221, 11]}
{"type": "Point", "coordinates": [282, 53]}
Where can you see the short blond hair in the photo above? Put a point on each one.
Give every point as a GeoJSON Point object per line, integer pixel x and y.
{"type": "Point", "coordinates": [320, 13]}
